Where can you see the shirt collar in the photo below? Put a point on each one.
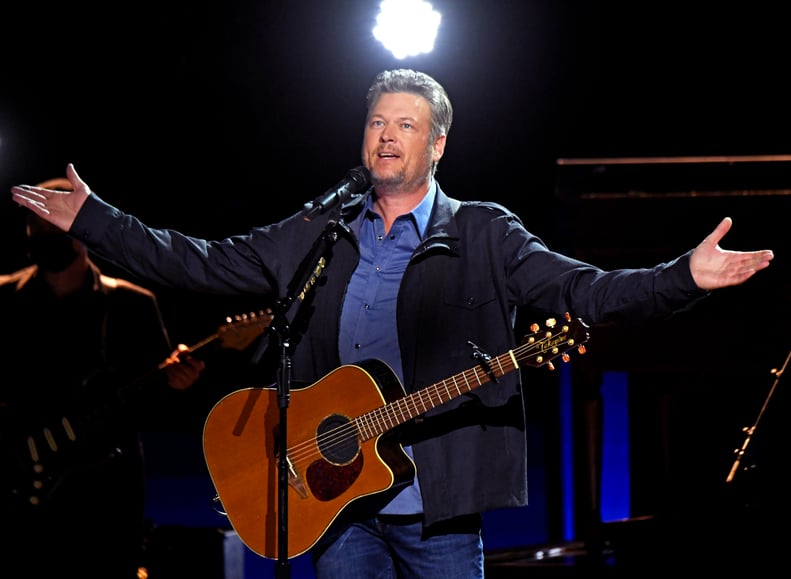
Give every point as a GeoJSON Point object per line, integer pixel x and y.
{"type": "Point", "coordinates": [421, 213]}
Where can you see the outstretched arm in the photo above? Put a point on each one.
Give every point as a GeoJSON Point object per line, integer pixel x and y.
{"type": "Point", "coordinates": [713, 267]}
{"type": "Point", "coordinates": [58, 207]}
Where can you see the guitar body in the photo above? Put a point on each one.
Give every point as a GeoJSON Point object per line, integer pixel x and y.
{"type": "Point", "coordinates": [40, 456]}
{"type": "Point", "coordinates": [330, 468]}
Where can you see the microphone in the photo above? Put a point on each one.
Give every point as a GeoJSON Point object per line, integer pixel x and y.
{"type": "Point", "coordinates": [356, 180]}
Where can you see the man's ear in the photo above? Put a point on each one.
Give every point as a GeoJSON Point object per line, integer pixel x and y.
{"type": "Point", "coordinates": [439, 147]}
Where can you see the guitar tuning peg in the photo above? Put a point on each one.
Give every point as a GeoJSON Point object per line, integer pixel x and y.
{"type": "Point", "coordinates": [581, 349]}
{"type": "Point", "coordinates": [534, 327]}
{"type": "Point", "coordinates": [550, 365]}
{"type": "Point", "coordinates": [551, 322]}
{"type": "Point", "coordinates": [567, 316]}
{"type": "Point", "coordinates": [565, 357]}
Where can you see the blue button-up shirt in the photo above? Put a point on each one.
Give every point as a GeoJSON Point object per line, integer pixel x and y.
{"type": "Point", "coordinates": [368, 320]}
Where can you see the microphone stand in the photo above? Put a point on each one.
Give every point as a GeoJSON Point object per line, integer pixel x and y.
{"type": "Point", "coordinates": [305, 277]}
{"type": "Point", "coordinates": [750, 430]}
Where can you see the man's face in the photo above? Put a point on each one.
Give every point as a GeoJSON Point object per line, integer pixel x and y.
{"type": "Point", "coordinates": [396, 145]}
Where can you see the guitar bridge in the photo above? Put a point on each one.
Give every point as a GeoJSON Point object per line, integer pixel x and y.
{"type": "Point", "coordinates": [295, 481]}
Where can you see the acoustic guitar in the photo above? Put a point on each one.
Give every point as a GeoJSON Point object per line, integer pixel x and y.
{"type": "Point", "coordinates": [337, 452]}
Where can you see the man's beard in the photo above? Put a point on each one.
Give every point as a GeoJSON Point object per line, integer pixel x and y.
{"type": "Point", "coordinates": [400, 179]}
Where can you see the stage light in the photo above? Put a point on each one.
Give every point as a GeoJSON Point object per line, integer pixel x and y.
{"type": "Point", "coordinates": [407, 27]}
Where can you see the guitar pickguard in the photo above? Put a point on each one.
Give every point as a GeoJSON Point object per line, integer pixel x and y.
{"type": "Point", "coordinates": [329, 481]}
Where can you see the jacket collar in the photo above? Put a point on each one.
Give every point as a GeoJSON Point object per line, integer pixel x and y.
{"type": "Point", "coordinates": [442, 230]}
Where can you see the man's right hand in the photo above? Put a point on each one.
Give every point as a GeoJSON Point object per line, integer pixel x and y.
{"type": "Point", "coordinates": [183, 370]}
{"type": "Point", "coordinates": [58, 207]}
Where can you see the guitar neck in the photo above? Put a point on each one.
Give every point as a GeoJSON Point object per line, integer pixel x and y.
{"type": "Point", "coordinates": [192, 349]}
{"type": "Point", "coordinates": [237, 333]}
{"type": "Point", "coordinates": [379, 421]}
{"type": "Point", "coordinates": [536, 349]}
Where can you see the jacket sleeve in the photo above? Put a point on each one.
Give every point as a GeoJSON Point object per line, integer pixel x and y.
{"type": "Point", "coordinates": [548, 281]}
{"type": "Point", "coordinates": [236, 265]}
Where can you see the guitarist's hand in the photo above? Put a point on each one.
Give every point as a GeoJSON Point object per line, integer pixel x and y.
{"type": "Point", "coordinates": [183, 370]}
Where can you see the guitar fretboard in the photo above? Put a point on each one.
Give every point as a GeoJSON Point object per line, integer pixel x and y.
{"type": "Point", "coordinates": [382, 419]}
{"type": "Point", "coordinates": [537, 349]}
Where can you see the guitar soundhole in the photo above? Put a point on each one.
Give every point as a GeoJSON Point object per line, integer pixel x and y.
{"type": "Point", "coordinates": [337, 440]}
{"type": "Point", "coordinates": [342, 460]}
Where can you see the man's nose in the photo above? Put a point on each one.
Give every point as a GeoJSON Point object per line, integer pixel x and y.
{"type": "Point", "coordinates": [387, 134]}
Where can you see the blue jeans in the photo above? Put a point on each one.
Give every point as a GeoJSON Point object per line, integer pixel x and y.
{"type": "Point", "coordinates": [397, 547]}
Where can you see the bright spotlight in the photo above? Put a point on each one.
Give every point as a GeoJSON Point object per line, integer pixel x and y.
{"type": "Point", "coordinates": [406, 27]}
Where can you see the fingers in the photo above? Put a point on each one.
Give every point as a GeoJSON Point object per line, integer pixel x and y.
{"type": "Point", "coordinates": [183, 376]}
{"type": "Point", "coordinates": [719, 232]}
{"type": "Point", "coordinates": [180, 356]}
{"type": "Point", "coordinates": [175, 356]}
{"type": "Point", "coordinates": [30, 197]}
{"type": "Point", "coordinates": [29, 192]}
{"type": "Point", "coordinates": [182, 369]}
{"type": "Point", "coordinates": [748, 266]}
{"type": "Point", "coordinates": [761, 259]}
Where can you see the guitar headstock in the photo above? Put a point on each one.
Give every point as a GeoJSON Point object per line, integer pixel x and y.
{"type": "Point", "coordinates": [552, 340]}
{"type": "Point", "coordinates": [241, 330]}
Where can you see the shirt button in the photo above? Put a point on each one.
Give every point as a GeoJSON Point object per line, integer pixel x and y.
{"type": "Point", "coordinates": [357, 346]}
{"type": "Point", "coordinates": [366, 307]}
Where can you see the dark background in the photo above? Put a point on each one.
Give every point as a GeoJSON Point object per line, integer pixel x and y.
{"type": "Point", "coordinates": [214, 117]}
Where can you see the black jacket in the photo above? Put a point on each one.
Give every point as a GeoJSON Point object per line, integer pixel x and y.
{"type": "Point", "coordinates": [475, 267]}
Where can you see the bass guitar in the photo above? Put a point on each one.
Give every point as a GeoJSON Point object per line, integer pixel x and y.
{"type": "Point", "coordinates": [38, 457]}
{"type": "Point", "coordinates": [337, 451]}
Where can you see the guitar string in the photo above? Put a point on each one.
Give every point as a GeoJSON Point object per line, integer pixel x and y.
{"type": "Point", "coordinates": [350, 430]}
{"type": "Point", "coordinates": [383, 418]}
{"type": "Point", "coordinates": [310, 449]}
{"type": "Point", "coordinates": [342, 433]}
